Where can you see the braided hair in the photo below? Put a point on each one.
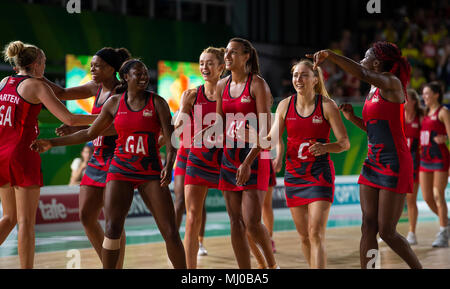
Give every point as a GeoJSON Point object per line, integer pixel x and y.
{"type": "Point", "coordinates": [393, 61]}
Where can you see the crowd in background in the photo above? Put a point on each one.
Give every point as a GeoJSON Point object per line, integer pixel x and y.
{"type": "Point", "coordinates": [422, 35]}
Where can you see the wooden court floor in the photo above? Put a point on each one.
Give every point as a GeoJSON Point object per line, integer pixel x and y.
{"type": "Point", "coordinates": [342, 245]}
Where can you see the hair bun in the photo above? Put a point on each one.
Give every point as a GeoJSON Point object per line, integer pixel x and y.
{"type": "Point", "coordinates": [13, 49]}
{"type": "Point", "coordinates": [123, 53]}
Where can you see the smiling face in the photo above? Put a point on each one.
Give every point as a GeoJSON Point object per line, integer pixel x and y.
{"type": "Point", "coordinates": [210, 67]}
{"type": "Point", "coordinates": [303, 79]}
{"type": "Point", "coordinates": [100, 70]}
{"type": "Point", "coordinates": [429, 96]}
{"type": "Point", "coordinates": [137, 78]}
{"type": "Point", "coordinates": [235, 57]}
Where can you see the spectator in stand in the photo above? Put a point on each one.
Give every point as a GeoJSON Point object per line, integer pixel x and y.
{"type": "Point", "coordinates": [417, 79]}
{"type": "Point", "coordinates": [443, 67]}
{"type": "Point", "coordinates": [79, 165]}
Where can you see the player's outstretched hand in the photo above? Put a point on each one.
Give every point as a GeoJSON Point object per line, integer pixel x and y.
{"type": "Point", "coordinates": [41, 145]}
{"type": "Point", "coordinates": [66, 130]}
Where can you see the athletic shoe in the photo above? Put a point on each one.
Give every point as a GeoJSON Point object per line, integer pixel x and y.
{"type": "Point", "coordinates": [273, 246]}
{"type": "Point", "coordinates": [411, 238]}
{"type": "Point", "coordinates": [441, 240]}
{"type": "Point", "coordinates": [201, 250]}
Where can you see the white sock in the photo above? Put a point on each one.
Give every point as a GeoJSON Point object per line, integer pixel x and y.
{"type": "Point", "coordinates": [442, 229]}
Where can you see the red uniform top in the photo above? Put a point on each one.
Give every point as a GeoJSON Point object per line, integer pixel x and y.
{"type": "Point", "coordinates": [102, 144]}
{"type": "Point", "coordinates": [412, 133]}
{"type": "Point", "coordinates": [20, 166]}
{"type": "Point", "coordinates": [301, 130]}
{"type": "Point", "coordinates": [204, 111]}
{"type": "Point", "coordinates": [137, 152]}
{"type": "Point", "coordinates": [98, 165]}
{"type": "Point", "coordinates": [203, 166]}
{"type": "Point", "coordinates": [434, 156]}
{"type": "Point", "coordinates": [307, 178]}
{"type": "Point", "coordinates": [241, 112]}
{"type": "Point", "coordinates": [389, 164]}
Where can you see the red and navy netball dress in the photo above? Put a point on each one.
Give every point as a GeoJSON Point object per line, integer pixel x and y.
{"type": "Point", "coordinates": [136, 157]}
{"type": "Point", "coordinates": [241, 113]}
{"type": "Point", "coordinates": [98, 165]}
{"type": "Point", "coordinates": [308, 178]}
{"type": "Point", "coordinates": [19, 165]}
{"type": "Point", "coordinates": [183, 152]}
{"type": "Point", "coordinates": [412, 133]}
{"type": "Point", "coordinates": [389, 164]}
{"type": "Point", "coordinates": [273, 177]}
{"type": "Point", "coordinates": [203, 165]}
{"type": "Point", "coordinates": [434, 157]}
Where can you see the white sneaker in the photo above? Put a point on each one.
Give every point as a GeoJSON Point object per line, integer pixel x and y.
{"type": "Point", "coordinates": [441, 240]}
{"type": "Point", "coordinates": [411, 238]}
{"type": "Point", "coordinates": [201, 250]}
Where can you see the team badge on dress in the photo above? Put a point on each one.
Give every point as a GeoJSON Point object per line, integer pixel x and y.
{"type": "Point", "coordinates": [147, 113]}
{"type": "Point", "coordinates": [246, 99]}
{"type": "Point", "coordinates": [317, 119]}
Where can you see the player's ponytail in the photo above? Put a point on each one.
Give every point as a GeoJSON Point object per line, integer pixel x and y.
{"type": "Point", "coordinates": [252, 64]}
{"type": "Point", "coordinates": [20, 54]}
{"type": "Point", "coordinates": [393, 61]}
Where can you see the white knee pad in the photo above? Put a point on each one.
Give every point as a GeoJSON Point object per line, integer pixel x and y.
{"type": "Point", "coordinates": [111, 244]}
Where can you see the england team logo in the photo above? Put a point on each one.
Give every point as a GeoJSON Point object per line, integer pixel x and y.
{"type": "Point", "coordinates": [317, 119]}
{"type": "Point", "coordinates": [147, 113]}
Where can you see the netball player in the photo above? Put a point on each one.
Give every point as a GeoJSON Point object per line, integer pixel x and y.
{"type": "Point", "coordinates": [139, 116]}
{"type": "Point", "coordinates": [434, 159]}
{"type": "Point", "coordinates": [413, 119]}
{"type": "Point", "coordinates": [21, 100]}
{"type": "Point", "coordinates": [104, 66]}
{"type": "Point", "coordinates": [242, 97]}
{"type": "Point", "coordinates": [203, 163]}
{"type": "Point", "coordinates": [308, 117]}
{"type": "Point", "coordinates": [387, 174]}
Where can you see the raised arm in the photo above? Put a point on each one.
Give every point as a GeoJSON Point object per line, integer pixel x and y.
{"type": "Point", "coordinates": [164, 115]}
{"type": "Point", "coordinates": [386, 81]}
{"type": "Point", "coordinates": [78, 92]}
{"type": "Point", "coordinates": [103, 121]}
{"type": "Point", "coordinates": [37, 91]}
